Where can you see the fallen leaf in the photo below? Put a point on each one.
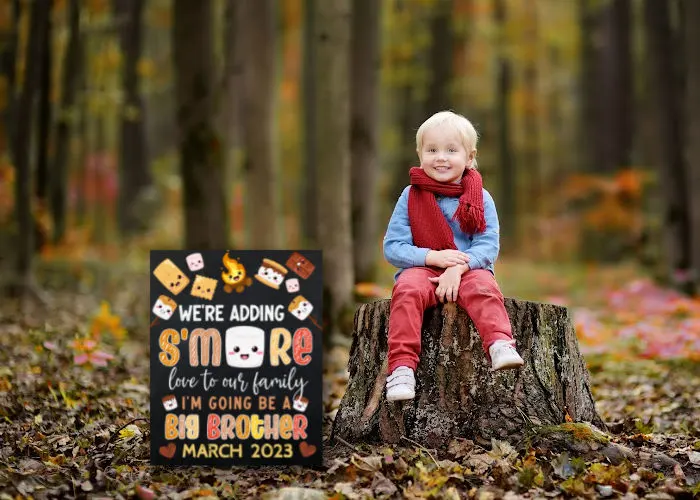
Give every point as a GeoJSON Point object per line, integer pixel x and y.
{"type": "Point", "coordinates": [678, 471]}
{"type": "Point", "coordinates": [128, 388]}
{"type": "Point", "coordinates": [460, 447]}
{"type": "Point", "coordinates": [337, 463]}
{"type": "Point", "coordinates": [480, 463]}
{"type": "Point", "coordinates": [604, 490]}
{"type": "Point", "coordinates": [346, 489]}
{"type": "Point", "coordinates": [562, 466]}
{"type": "Point", "coordinates": [502, 449]}
{"type": "Point", "coordinates": [448, 465]}
{"type": "Point", "coordinates": [144, 493]}
{"type": "Point", "coordinates": [29, 466]}
{"type": "Point", "coordinates": [129, 432]}
{"type": "Point", "coordinates": [293, 492]}
{"type": "Point", "coordinates": [489, 493]}
{"type": "Point", "coordinates": [400, 465]}
{"type": "Point", "coordinates": [450, 493]}
{"type": "Point", "coordinates": [368, 464]}
{"type": "Point", "coordinates": [382, 486]}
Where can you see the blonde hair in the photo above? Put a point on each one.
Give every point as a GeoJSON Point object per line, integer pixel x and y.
{"type": "Point", "coordinates": [457, 122]}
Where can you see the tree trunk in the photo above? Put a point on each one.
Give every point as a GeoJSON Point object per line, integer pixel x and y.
{"type": "Point", "coordinates": [463, 48]}
{"type": "Point", "coordinates": [615, 93]}
{"type": "Point", "coordinates": [508, 195]}
{"type": "Point", "coordinates": [71, 76]}
{"type": "Point", "coordinates": [258, 115]}
{"type": "Point", "coordinates": [160, 115]}
{"type": "Point", "coordinates": [692, 147]}
{"type": "Point", "coordinates": [667, 120]}
{"type": "Point", "coordinates": [409, 98]}
{"type": "Point", "coordinates": [607, 126]}
{"type": "Point", "coordinates": [8, 59]}
{"type": "Point", "coordinates": [457, 394]}
{"type": "Point", "coordinates": [411, 113]}
{"type": "Point", "coordinates": [534, 191]}
{"type": "Point", "coordinates": [439, 90]}
{"type": "Point", "coordinates": [365, 128]}
{"type": "Point", "coordinates": [98, 168]}
{"type": "Point", "coordinates": [84, 127]}
{"type": "Point", "coordinates": [135, 176]}
{"type": "Point", "coordinates": [332, 45]}
{"type": "Point", "coordinates": [39, 19]}
{"type": "Point", "coordinates": [606, 85]}
{"type": "Point", "coordinates": [587, 20]}
{"type": "Point", "coordinates": [201, 165]}
{"type": "Point", "coordinates": [230, 115]}
{"type": "Point", "coordinates": [41, 184]}
{"type": "Point", "coordinates": [308, 191]}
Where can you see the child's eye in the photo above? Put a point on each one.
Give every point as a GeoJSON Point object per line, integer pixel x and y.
{"type": "Point", "coordinates": [452, 150]}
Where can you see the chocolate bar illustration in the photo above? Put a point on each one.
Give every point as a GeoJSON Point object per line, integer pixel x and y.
{"type": "Point", "coordinates": [300, 265]}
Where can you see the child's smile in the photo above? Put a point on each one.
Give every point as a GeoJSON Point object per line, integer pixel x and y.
{"type": "Point", "coordinates": [443, 156]}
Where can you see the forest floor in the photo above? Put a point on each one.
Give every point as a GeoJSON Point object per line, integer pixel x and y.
{"type": "Point", "coordinates": [71, 428]}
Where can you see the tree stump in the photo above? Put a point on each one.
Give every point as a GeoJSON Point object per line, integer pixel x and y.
{"type": "Point", "coordinates": [457, 394]}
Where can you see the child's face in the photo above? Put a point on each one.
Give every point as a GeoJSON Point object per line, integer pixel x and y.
{"type": "Point", "coordinates": [442, 156]}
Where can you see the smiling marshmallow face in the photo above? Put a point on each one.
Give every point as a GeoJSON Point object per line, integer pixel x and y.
{"type": "Point", "coordinates": [270, 276]}
{"type": "Point", "coordinates": [169, 403]}
{"type": "Point", "coordinates": [164, 307]}
{"type": "Point", "coordinates": [195, 262]}
{"type": "Point", "coordinates": [300, 307]}
{"type": "Point", "coordinates": [245, 346]}
{"type": "Point", "coordinates": [292, 285]}
{"type": "Point", "coordinates": [300, 404]}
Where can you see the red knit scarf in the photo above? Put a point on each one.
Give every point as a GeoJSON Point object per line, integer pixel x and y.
{"type": "Point", "coordinates": [428, 224]}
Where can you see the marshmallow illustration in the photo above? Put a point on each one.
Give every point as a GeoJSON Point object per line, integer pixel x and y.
{"type": "Point", "coordinates": [292, 285]}
{"type": "Point", "coordinates": [164, 307]}
{"type": "Point", "coordinates": [169, 403]}
{"type": "Point", "coordinates": [245, 346]}
{"type": "Point", "coordinates": [271, 273]}
{"type": "Point", "coordinates": [195, 262]}
{"type": "Point", "coordinates": [300, 403]}
{"type": "Point", "coordinates": [300, 307]}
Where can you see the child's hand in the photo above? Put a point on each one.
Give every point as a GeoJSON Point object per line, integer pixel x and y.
{"type": "Point", "coordinates": [448, 284]}
{"type": "Point", "coordinates": [445, 258]}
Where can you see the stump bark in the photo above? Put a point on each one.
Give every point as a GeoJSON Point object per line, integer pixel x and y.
{"type": "Point", "coordinates": [457, 394]}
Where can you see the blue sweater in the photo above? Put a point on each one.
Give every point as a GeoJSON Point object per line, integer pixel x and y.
{"type": "Point", "coordinates": [482, 248]}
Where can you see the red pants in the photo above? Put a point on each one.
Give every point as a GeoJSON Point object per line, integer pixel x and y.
{"type": "Point", "coordinates": [479, 295]}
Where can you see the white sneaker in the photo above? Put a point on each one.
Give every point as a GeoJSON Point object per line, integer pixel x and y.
{"type": "Point", "coordinates": [504, 355]}
{"type": "Point", "coordinates": [401, 384]}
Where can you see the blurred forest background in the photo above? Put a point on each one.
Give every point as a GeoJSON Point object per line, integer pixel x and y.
{"type": "Point", "coordinates": [128, 125]}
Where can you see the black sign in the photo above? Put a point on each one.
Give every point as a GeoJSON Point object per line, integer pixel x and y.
{"type": "Point", "coordinates": [236, 357]}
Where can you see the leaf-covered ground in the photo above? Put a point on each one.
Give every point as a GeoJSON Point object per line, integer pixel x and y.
{"type": "Point", "coordinates": [74, 413]}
